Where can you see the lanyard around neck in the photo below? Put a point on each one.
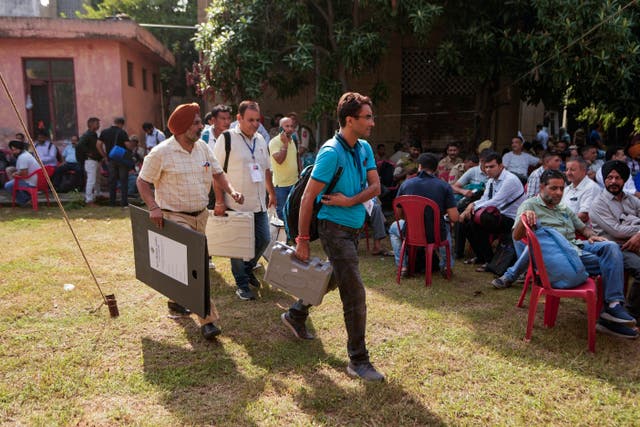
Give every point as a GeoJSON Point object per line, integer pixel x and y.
{"type": "Point", "coordinates": [251, 148]}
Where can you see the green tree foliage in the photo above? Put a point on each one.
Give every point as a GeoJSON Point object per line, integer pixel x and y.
{"type": "Point", "coordinates": [178, 41]}
{"type": "Point", "coordinates": [246, 45]}
{"type": "Point", "coordinates": [585, 50]}
{"type": "Point", "coordinates": [548, 49]}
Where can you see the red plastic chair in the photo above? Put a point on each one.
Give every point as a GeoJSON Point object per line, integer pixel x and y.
{"type": "Point", "coordinates": [540, 286]}
{"type": "Point", "coordinates": [33, 191]}
{"type": "Point", "coordinates": [413, 208]}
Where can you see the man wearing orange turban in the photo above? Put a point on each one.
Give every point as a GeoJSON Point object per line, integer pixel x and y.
{"type": "Point", "coordinates": [182, 169]}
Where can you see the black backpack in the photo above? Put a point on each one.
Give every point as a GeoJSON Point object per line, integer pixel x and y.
{"type": "Point", "coordinates": [291, 208]}
{"type": "Point", "coordinates": [227, 150]}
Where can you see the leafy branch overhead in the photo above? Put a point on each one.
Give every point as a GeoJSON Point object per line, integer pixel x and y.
{"type": "Point", "coordinates": [586, 50]}
{"type": "Point", "coordinates": [247, 45]}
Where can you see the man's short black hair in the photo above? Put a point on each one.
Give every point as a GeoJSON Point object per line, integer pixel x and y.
{"type": "Point", "coordinates": [118, 120]}
{"type": "Point", "coordinates": [452, 144]}
{"type": "Point", "coordinates": [349, 105]}
{"type": "Point", "coordinates": [428, 162]}
{"type": "Point", "coordinates": [147, 126]}
{"type": "Point", "coordinates": [18, 145]}
{"type": "Point", "coordinates": [471, 157]}
{"type": "Point", "coordinates": [549, 154]}
{"type": "Point", "coordinates": [42, 132]}
{"type": "Point", "coordinates": [550, 174]}
{"type": "Point", "coordinates": [92, 120]}
{"type": "Point", "coordinates": [493, 155]}
{"type": "Point", "coordinates": [611, 151]}
{"type": "Point", "coordinates": [587, 147]}
{"type": "Point", "coordinates": [220, 108]}
{"type": "Point", "coordinates": [381, 145]}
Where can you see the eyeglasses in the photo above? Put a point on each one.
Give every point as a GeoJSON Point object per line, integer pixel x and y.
{"type": "Point", "coordinates": [369, 117]}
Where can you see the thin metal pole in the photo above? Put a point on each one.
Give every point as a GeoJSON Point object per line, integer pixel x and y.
{"type": "Point", "coordinates": [53, 190]}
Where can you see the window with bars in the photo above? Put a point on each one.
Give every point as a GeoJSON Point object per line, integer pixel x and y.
{"type": "Point", "coordinates": [144, 79]}
{"type": "Point", "coordinates": [51, 87]}
{"type": "Point", "coordinates": [130, 79]}
{"type": "Point", "coordinates": [421, 75]}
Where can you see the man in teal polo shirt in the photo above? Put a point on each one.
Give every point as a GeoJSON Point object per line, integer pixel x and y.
{"type": "Point", "coordinates": [340, 220]}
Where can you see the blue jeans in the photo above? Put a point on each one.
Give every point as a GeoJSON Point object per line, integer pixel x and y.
{"type": "Point", "coordinates": [522, 263]}
{"type": "Point", "coordinates": [396, 245]}
{"type": "Point", "coordinates": [22, 197]}
{"type": "Point", "coordinates": [243, 269]}
{"type": "Point", "coordinates": [605, 258]}
{"type": "Point", "coordinates": [281, 198]}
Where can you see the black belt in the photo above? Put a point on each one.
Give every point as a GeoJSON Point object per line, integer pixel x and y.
{"type": "Point", "coordinates": [196, 213]}
{"type": "Point", "coordinates": [342, 227]}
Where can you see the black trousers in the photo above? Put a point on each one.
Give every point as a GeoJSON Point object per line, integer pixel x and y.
{"type": "Point", "coordinates": [341, 246]}
{"type": "Point", "coordinates": [118, 173]}
{"type": "Point", "coordinates": [479, 235]}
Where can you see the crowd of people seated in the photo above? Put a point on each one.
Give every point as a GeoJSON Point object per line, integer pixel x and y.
{"type": "Point", "coordinates": [582, 188]}
{"type": "Point", "coordinates": [79, 161]}
{"type": "Point", "coordinates": [587, 191]}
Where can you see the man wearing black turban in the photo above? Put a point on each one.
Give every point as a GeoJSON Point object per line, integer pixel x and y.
{"type": "Point", "coordinates": [616, 216]}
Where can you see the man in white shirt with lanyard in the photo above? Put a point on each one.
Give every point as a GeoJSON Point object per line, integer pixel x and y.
{"type": "Point", "coordinates": [153, 136]}
{"type": "Point", "coordinates": [249, 168]}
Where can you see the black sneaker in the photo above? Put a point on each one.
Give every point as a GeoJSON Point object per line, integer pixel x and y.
{"type": "Point", "coordinates": [210, 331]}
{"type": "Point", "coordinates": [366, 371]}
{"type": "Point", "coordinates": [253, 281]}
{"type": "Point", "coordinates": [245, 294]}
{"type": "Point", "coordinates": [616, 329]}
{"type": "Point", "coordinates": [617, 314]}
{"type": "Point", "coordinates": [177, 308]}
{"type": "Point", "coordinates": [298, 328]}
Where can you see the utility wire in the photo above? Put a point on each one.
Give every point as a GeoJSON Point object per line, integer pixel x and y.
{"type": "Point", "coordinates": [571, 44]}
{"type": "Point", "coordinates": [51, 187]}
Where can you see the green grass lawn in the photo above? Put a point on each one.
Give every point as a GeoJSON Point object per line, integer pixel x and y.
{"type": "Point", "coordinates": [452, 354]}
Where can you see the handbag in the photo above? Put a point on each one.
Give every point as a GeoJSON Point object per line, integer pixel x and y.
{"type": "Point", "coordinates": [490, 217]}
{"type": "Point", "coordinates": [503, 258]}
{"type": "Point", "coordinates": [119, 155]}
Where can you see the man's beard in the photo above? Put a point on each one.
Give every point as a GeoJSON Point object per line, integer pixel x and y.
{"type": "Point", "coordinates": [616, 192]}
{"type": "Point", "coordinates": [549, 200]}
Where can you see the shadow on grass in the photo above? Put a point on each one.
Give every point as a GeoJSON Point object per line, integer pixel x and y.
{"type": "Point", "coordinates": [258, 373]}
{"type": "Point", "coordinates": [498, 325]}
{"type": "Point", "coordinates": [195, 379]}
{"type": "Point", "coordinates": [322, 399]}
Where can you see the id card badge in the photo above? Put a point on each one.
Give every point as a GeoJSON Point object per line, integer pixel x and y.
{"type": "Point", "coordinates": [256, 172]}
{"type": "Point", "coordinates": [368, 206]}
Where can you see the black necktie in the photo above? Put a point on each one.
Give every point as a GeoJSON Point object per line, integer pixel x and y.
{"type": "Point", "coordinates": [491, 190]}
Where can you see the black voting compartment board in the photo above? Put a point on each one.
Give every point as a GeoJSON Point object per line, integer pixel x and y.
{"type": "Point", "coordinates": [172, 260]}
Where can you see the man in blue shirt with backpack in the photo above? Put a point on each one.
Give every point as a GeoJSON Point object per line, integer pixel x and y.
{"type": "Point", "coordinates": [340, 221]}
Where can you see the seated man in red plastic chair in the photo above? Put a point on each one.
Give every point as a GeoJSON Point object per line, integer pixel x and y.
{"type": "Point", "coordinates": [26, 164]}
{"type": "Point", "coordinates": [427, 184]}
{"type": "Point", "coordinates": [503, 194]}
{"type": "Point", "coordinates": [599, 255]}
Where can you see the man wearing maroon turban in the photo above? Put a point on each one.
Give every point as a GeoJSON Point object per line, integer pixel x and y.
{"type": "Point", "coordinates": [181, 169]}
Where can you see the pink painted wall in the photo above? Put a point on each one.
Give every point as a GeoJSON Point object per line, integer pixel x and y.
{"type": "Point", "coordinates": [100, 81]}
{"type": "Point", "coordinates": [139, 105]}
{"type": "Point", "coordinates": [97, 76]}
